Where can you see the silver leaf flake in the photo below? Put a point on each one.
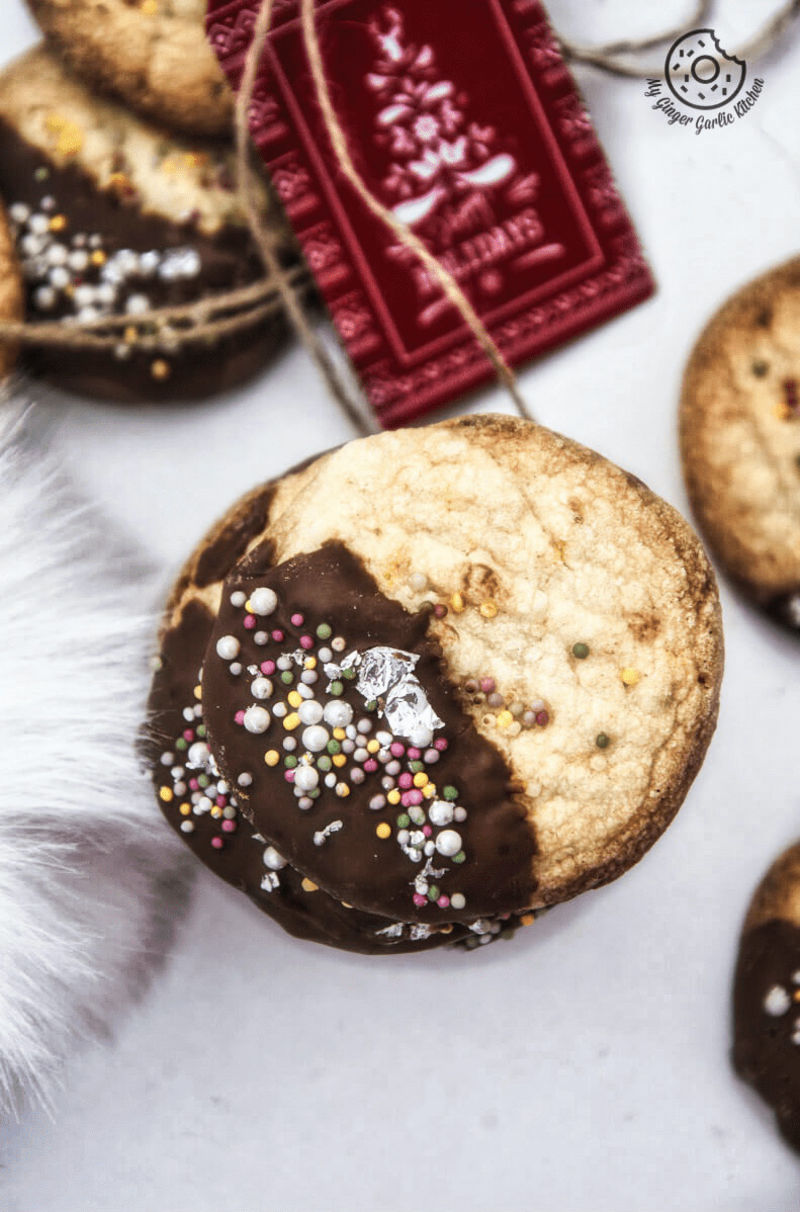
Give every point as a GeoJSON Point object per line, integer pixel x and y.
{"type": "Point", "coordinates": [387, 675]}
{"type": "Point", "coordinates": [393, 931]}
{"type": "Point", "coordinates": [270, 881]}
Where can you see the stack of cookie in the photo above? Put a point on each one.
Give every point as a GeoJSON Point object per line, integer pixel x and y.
{"type": "Point", "coordinates": [393, 726]}
{"type": "Point", "coordinates": [118, 178]}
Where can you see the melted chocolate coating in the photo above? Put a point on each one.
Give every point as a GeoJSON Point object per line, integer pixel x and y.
{"type": "Point", "coordinates": [332, 586]}
{"type": "Point", "coordinates": [228, 259]}
{"type": "Point", "coordinates": [763, 1052]}
{"type": "Point", "coordinates": [313, 916]}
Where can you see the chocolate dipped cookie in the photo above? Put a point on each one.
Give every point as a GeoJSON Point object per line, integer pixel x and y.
{"type": "Point", "coordinates": [766, 994]}
{"type": "Point", "coordinates": [740, 439]}
{"type": "Point", "coordinates": [449, 677]}
{"type": "Point", "coordinates": [150, 54]}
{"type": "Point", "coordinates": [10, 292]}
{"type": "Point", "coordinates": [115, 217]}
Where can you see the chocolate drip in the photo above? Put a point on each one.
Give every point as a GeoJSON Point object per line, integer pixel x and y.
{"type": "Point", "coordinates": [763, 1052]}
{"type": "Point", "coordinates": [228, 259]}
{"type": "Point", "coordinates": [332, 586]}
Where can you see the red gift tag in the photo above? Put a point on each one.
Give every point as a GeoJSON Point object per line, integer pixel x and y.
{"type": "Point", "coordinates": [464, 121]}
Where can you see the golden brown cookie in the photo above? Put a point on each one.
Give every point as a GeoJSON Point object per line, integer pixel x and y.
{"type": "Point", "coordinates": [151, 54]}
{"type": "Point", "coordinates": [453, 674]}
{"type": "Point", "coordinates": [766, 995]}
{"type": "Point", "coordinates": [740, 438]}
{"type": "Point", "coordinates": [113, 217]}
{"type": "Point", "coordinates": [11, 307]}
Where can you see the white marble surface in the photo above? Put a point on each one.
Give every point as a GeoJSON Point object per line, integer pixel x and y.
{"type": "Point", "coordinates": [585, 1066]}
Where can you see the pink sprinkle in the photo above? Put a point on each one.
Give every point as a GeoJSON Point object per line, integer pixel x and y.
{"type": "Point", "coordinates": [405, 781]}
{"type": "Point", "coordinates": [370, 765]}
{"type": "Point", "coordinates": [542, 718]}
{"type": "Point", "coordinates": [405, 799]}
{"type": "Point", "coordinates": [297, 620]}
{"type": "Point", "coordinates": [441, 744]}
{"type": "Point", "coordinates": [193, 783]}
{"type": "Point", "coordinates": [217, 843]}
{"type": "Point", "coordinates": [239, 717]}
{"type": "Point", "coordinates": [188, 735]}
{"type": "Point", "coordinates": [229, 826]}
{"type": "Point", "coordinates": [414, 797]}
{"type": "Point", "coordinates": [249, 621]}
{"type": "Point", "coordinates": [426, 829]}
{"type": "Point", "coordinates": [306, 641]}
{"type": "Point", "coordinates": [267, 667]}
{"type": "Point", "coordinates": [419, 899]}
{"type": "Point", "coordinates": [439, 610]}
{"type": "Point", "coordinates": [221, 801]}
{"type": "Point", "coordinates": [289, 776]}
{"type": "Point", "coordinates": [277, 636]}
{"type": "Point", "coordinates": [488, 685]}
{"type": "Point", "coordinates": [443, 902]}
{"type": "Point", "coordinates": [396, 749]}
{"type": "Point", "coordinates": [414, 755]}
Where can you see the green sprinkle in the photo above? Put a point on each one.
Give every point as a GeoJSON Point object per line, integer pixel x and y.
{"type": "Point", "coordinates": [403, 821]}
{"type": "Point", "coordinates": [349, 674]}
{"type": "Point", "coordinates": [315, 794]}
{"type": "Point", "coordinates": [333, 746]}
{"type": "Point", "coordinates": [324, 631]}
{"type": "Point", "coordinates": [602, 741]}
{"type": "Point", "coordinates": [449, 792]}
{"type": "Point", "coordinates": [201, 730]}
{"type": "Point", "coordinates": [287, 677]}
{"type": "Point", "coordinates": [415, 767]}
{"type": "Point", "coordinates": [324, 763]}
{"type": "Point", "coordinates": [460, 857]}
{"type": "Point", "coordinates": [290, 761]}
{"type": "Point", "coordinates": [417, 815]}
{"type": "Point", "coordinates": [580, 651]}
{"type": "Point", "coordinates": [41, 174]}
{"type": "Point", "coordinates": [337, 688]}
{"type": "Point", "coordinates": [433, 893]}
{"type": "Point", "coordinates": [203, 780]}
{"type": "Point", "coordinates": [371, 705]}
{"type": "Point", "coordinates": [181, 743]}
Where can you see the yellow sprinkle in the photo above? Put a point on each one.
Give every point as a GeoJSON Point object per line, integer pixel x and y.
{"type": "Point", "coordinates": [98, 257]}
{"type": "Point", "coordinates": [339, 759]}
{"type": "Point", "coordinates": [383, 831]}
{"type": "Point", "coordinates": [630, 676]}
{"type": "Point", "coordinates": [185, 809]}
{"type": "Point", "coordinates": [429, 791]}
{"type": "Point", "coordinates": [309, 886]}
{"type": "Point", "coordinates": [393, 797]}
{"type": "Point", "coordinates": [216, 812]}
{"type": "Point", "coordinates": [295, 698]}
{"type": "Point", "coordinates": [457, 603]}
{"type": "Point", "coordinates": [488, 610]}
{"type": "Point", "coordinates": [373, 746]}
{"type": "Point", "coordinates": [310, 663]}
{"type": "Point", "coordinates": [339, 734]}
{"type": "Point", "coordinates": [527, 919]}
{"type": "Point", "coordinates": [272, 757]}
{"type": "Point", "coordinates": [198, 692]}
{"type": "Point", "coordinates": [69, 136]}
{"type": "Point", "coordinates": [149, 7]}
{"type": "Point", "coordinates": [165, 794]}
{"type": "Point", "coordinates": [58, 222]}
{"type": "Point", "coordinates": [420, 779]}
{"type": "Point", "coordinates": [291, 721]}
{"type": "Point", "coordinates": [343, 790]}
{"type": "Point", "coordinates": [504, 719]}
{"type": "Point", "coordinates": [160, 369]}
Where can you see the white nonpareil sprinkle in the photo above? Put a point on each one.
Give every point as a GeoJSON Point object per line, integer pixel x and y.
{"type": "Point", "coordinates": [228, 647]}
{"type": "Point", "coordinates": [263, 601]}
{"type": "Point", "coordinates": [256, 719]}
{"type": "Point", "coordinates": [777, 1001]}
{"type": "Point", "coordinates": [273, 859]}
{"type": "Point", "coordinates": [448, 842]}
